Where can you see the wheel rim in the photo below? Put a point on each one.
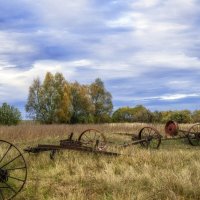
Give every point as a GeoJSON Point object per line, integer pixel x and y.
{"type": "Point", "coordinates": [152, 137]}
{"type": "Point", "coordinates": [194, 135]}
{"type": "Point", "coordinates": [13, 170]}
{"type": "Point", "coordinates": [94, 139]}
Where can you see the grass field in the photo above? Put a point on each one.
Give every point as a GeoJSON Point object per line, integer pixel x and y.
{"type": "Point", "coordinates": [172, 172]}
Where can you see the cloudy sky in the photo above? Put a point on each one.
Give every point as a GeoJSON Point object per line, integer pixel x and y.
{"type": "Point", "coordinates": [146, 51]}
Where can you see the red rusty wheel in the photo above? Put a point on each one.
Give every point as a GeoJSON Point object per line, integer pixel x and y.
{"type": "Point", "coordinates": [93, 138]}
{"type": "Point", "coordinates": [152, 137]}
{"type": "Point", "coordinates": [171, 128]}
{"type": "Point", "coordinates": [194, 135]}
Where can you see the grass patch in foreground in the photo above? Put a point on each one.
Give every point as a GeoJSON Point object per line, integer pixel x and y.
{"type": "Point", "coordinates": [172, 172]}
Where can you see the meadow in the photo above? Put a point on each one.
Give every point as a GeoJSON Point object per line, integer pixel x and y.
{"type": "Point", "coordinates": [172, 172]}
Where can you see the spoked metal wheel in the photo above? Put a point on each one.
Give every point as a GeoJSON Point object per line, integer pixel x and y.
{"type": "Point", "coordinates": [151, 136]}
{"type": "Point", "coordinates": [13, 170]}
{"type": "Point", "coordinates": [94, 139]}
{"type": "Point", "coordinates": [194, 135]}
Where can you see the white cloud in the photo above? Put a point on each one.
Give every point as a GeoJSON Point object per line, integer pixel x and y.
{"type": "Point", "coordinates": [62, 14]}
{"type": "Point", "coordinates": [11, 44]}
{"type": "Point", "coordinates": [145, 3]}
{"type": "Point", "coordinates": [16, 82]}
{"type": "Point", "coordinates": [165, 59]}
{"type": "Point", "coordinates": [178, 96]}
{"type": "Point", "coordinates": [168, 97]}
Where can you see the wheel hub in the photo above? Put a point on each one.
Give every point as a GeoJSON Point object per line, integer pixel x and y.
{"type": "Point", "coordinates": [4, 175]}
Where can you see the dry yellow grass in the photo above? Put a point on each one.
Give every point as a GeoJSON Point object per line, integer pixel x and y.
{"type": "Point", "coordinates": [169, 173]}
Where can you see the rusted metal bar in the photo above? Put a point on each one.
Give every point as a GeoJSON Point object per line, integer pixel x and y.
{"type": "Point", "coordinates": [44, 147]}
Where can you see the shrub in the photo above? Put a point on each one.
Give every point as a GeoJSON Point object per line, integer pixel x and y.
{"type": "Point", "coordinates": [9, 115]}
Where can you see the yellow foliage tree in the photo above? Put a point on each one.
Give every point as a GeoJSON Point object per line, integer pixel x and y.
{"type": "Point", "coordinates": [50, 102]}
{"type": "Point", "coordinates": [83, 108]}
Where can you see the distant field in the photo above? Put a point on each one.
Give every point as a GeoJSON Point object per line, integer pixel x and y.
{"type": "Point", "coordinates": [172, 172]}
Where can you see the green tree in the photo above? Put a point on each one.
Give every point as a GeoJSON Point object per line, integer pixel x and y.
{"type": "Point", "coordinates": [196, 116]}
{"type": "Point", "coordinates": [35, 105]}
{"type": "Point", "coordinates": [183, 116]}
{"type": "Point", "coordinates": [141, 114]}
{"type": "Point", "coordinates": [137, 114]}
{"type": "Point", "coordinates": [166, 116]}
{"type": "Point", "coordinates": [102, 101]}
{"type": "Point", "coordinates": [49, 95]}
{"type": "Point", "coordinates": [9, 115]}
{"type": "Point", "coordinates": [123, 114]}
{"type": "Point", "coordinates": [82, 107]}
{"type": "Point", "coordinates": [157, 117]}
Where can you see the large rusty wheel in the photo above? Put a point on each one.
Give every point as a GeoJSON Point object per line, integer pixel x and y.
{"type": "Point", "coordinates": [194, 135]}
{"type": "Point", "coordinates": [13, 170]}
{"type": "Point", "coordinates": [93, 138]}
{"type": "Point", "coordinates": [171, 128]}
{"type": "Point", "coordinates": [151, 136]}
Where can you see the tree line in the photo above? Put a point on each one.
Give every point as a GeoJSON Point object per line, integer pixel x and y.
{"type": "Point", "coordinates": [55, 100]}
{"type": "Point", "coordinates": [141, 114]}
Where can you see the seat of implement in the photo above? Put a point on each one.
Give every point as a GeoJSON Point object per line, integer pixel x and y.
{"type": "Point", "coordinates": [171, 128]}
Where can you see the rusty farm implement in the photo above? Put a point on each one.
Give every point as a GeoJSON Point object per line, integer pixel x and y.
{"type": "Point", "coordinates": [94, 141]}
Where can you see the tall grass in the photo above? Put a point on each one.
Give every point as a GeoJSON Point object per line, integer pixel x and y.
{"type": "Point", "coordinates": [169, 173]}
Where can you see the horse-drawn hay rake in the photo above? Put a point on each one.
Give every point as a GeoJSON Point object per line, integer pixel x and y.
{"type": "Point", "coordinates": [13, 169]}
{"type": "Point", "coordinates": [90, 140]}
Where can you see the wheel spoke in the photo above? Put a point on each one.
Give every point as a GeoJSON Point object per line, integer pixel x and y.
{"type": "Point", "coordinates": [6, 153]}
{"type": "Point", "coordinates": [89, 135]}
{"type": "Point", "coordinates": [16, 168]}
{"type": "Point", "coordinates": [18, 179]}
{"type": "Point", "coordinates": [11, 161]}
{"type": "Point", "coordinates": [193, 135]}
{"type": "Point", "coordinates": [1, 194]}
{"type": "Point", "coordinates": [86, 136]}
{"type": "Point", "coordinates": [99, 136]}
{"type": "Point", "coordinates": [92, 136]}
{"type": "Point", "coordinates": [9, 187]}
{"type": "Point", "coordinates": [151, 135]}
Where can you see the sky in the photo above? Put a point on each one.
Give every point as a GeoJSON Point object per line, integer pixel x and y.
{"type": "Point", "coordinates": [145, 51]}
